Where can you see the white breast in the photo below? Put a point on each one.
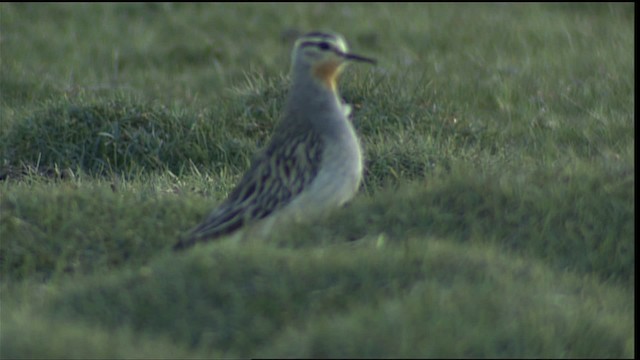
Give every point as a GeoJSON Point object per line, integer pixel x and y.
{"type": "Point", "coordinates": [337, 181]}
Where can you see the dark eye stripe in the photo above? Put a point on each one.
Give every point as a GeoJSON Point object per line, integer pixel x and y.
{"type": "Point", "coordinates": [319, 44]}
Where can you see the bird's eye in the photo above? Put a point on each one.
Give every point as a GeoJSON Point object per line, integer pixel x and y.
{"type": "Point", "coordinates": [324, 45]}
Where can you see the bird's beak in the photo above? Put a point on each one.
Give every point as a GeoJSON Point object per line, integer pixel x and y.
{"type": "Point", "coordinates": [355, 57]}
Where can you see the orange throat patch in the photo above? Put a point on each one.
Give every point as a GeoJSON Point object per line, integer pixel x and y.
{"type": "Point", "coordinates": [327, 73]}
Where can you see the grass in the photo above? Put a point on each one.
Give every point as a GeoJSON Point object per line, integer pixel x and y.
{"type": "Point", "coordinates": [495, 220]}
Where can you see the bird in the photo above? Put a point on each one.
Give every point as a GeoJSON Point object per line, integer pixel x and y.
{"type": "Point", "coordinates": [313, 162]}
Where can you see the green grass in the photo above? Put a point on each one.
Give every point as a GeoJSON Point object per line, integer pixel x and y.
{"type": "Point", "coordinates": [496, 218]}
